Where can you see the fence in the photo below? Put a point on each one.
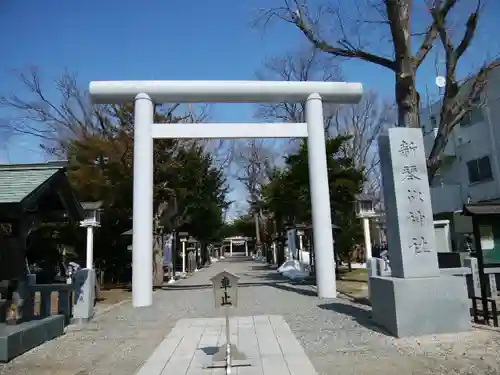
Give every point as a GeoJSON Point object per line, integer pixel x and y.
{"type": "Point", "coordinates": [42, 300]}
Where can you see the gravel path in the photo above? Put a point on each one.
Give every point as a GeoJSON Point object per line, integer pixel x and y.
{"type": "Point", "coordinates": [337, 335]}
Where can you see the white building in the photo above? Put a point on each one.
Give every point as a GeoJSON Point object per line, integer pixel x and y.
{"type": "Point", "coordinates": [471, 170]}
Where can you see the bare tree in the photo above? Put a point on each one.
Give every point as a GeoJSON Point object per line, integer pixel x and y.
{"type": "Point", "coordinates": [458, 98]}
{"type": "Point", "coordinates": [363, 121]}
{"type": "Point", "coordinates": [222, 150]}
{"type": "Point", "coordinates": [334, 28]}
{"type": "Point", "coordinates": [52, 121]}
{"type": "Point", "coordinates": [255, 162]}
{"type": "Point", "coordinates": [255, 159]}
{"type": "Point", "coordinates": [306, 64]}
{"type": "Point", "coordinates": [57, 119]}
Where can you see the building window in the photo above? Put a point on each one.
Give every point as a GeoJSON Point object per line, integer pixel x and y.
{"type": "Point", "coordinates": [479, 170]}
{"type": "Point", "coordinates": [472, 117]}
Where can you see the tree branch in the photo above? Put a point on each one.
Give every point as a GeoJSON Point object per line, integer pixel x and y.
{"type": "Point", "coordinates": [346, 50]}
{"type": "Point", "coordinates": [432, 33]}
{"type": "Point", "coordinates": [470, 30]}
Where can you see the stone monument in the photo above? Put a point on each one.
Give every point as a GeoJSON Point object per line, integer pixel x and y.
{"type": "Point", "coordinates": [415, 300]}
{"type": "Point", "coordinates": [85, 282]}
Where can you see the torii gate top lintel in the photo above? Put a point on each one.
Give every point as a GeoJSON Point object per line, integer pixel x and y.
{"type": "Point", "coordinates": [116, 92]}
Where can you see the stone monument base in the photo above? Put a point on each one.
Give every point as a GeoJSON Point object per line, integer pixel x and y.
{"type": "Point", "coordinates": [420, 306]}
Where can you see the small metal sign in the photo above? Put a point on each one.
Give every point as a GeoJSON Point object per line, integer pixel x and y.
{"type": "Point", "coordinates": [225, 286]}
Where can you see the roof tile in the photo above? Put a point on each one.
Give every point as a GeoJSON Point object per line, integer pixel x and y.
{"type": "Point", "coordinates": [17, 182]}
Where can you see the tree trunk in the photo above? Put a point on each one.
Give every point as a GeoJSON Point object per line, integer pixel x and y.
{"type": "Point", "coordinates": [337, 266]}
{"type": "Point", "coordinates": [203, 256]}
{"type": "Point", "coordinates": [157, 262]}
{"type": "Point", "coordinates": [257, 230]}
{"type": "Point", "coordinates": [399, 17]}
{"type": "Point", "coordinates": [432, 169]}
{"type": "Point", "coordinates": [407, 98]}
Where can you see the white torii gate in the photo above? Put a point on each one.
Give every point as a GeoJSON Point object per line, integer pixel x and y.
{"type": "Point", "coordinates": [237, 240]}
{"type": "Point", "coordinates": [146, 93]}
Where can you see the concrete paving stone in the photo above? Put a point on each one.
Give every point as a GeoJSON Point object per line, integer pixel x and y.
{"type": "Point", "coordinates": [177, 366]}
{"type": "Point", "coordinates": [219, 371]}
{"type": "Point", "coordinates": [198, 371]}
{"type": "Point", "coordinates": [286, 339]}
{"type": "Point", "coordinates": [208, 342]}
{"type": "Point", "coordinates": [276, 365]}
{"type": "Point", "coordinates": [157, 362]}
{"type": "Point", "coordinates": [267, 341]}
{"type": "Point", "coordinates": [248, 343]}
{"type": "Point", "coordinates": [254, 370]}
{"type": "Point", "coordinates": [298, 366]}
{"type": "Point", "coordinates": [152, 368]}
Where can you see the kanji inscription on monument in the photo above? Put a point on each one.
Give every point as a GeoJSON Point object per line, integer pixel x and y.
{"type": "Point", "coordinates": [409, 173]}
{"type": "Point", "coordinates": [225, 286]}
{"type": "Point", "coordinates": [410, 224]}
{"type": "Point", "coordinates": [415, 195]}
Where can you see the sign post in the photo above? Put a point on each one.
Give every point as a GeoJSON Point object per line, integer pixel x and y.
{"type": "Point", "coordinates": [225, 286]}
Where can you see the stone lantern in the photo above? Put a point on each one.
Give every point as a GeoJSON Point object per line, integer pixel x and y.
{"type": "Point", "coordinates": [365, 209]}
{"type": "Point", "coordinates": [183, 237]}
{"type": "Point", "coordinates": [364, 206]}
{"type": "Point", "coordinates": [92, 212]}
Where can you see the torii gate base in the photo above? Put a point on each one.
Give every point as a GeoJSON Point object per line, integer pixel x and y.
{"type": "Point", "coordinates": [146, 93]}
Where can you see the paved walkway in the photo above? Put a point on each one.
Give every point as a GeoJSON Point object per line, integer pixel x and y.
{"type": "Point", "coordinates": [264, 345]}
{"type": "Point", "coordinates": [336, 335]}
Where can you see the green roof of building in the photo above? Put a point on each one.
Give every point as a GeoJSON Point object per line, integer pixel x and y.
{"type": "Point", "coordinates": [19, 181]}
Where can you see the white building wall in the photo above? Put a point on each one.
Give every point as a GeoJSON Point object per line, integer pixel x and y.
{"type": "Point", "coordinates": [451, 189]}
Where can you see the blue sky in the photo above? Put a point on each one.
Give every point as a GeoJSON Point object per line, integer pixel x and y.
{"type": "Point", "coordinates": [147, 39]}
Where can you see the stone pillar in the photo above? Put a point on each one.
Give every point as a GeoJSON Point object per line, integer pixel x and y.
{"type": "Point", "coordinates": [415, 300]}
{"type": "Point", "coordinates": [368, 241]}
{"type": "Point", "coordinates": [474, 283]}
{"type": "Point", "coordinates": [85, 281]}
{"type": "Point", "coordinates": [90, 248]}
{"type": "Point", "coordinates": [410, 224]}
{"type": "Point", "coordinates": [493, 285]}
{"type": "Point", "coordinates": [183, 256]}
{"type": "Point", "coordinates": [371, 265]}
